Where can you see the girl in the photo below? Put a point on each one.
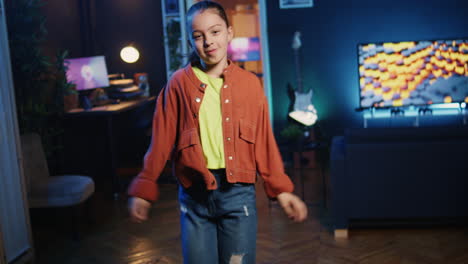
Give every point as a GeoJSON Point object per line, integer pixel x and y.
{"type": "Point", "coordinates": [212, 119]}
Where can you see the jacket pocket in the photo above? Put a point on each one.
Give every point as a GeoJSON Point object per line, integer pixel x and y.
{"type": "Point", "coordinates": [187, 138]}
{"type": "Point", "coordinates": [245, 147]}
{"type": "Point", "coordinates": [247, 131]}
{"type": "Point", "coordinates": [189, 159]}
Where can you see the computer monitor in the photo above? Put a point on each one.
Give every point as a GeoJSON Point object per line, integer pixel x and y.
{"type": "Point", "coordinates": [244, 49]}
{"type": "Point", "coordinates": [87, 73]}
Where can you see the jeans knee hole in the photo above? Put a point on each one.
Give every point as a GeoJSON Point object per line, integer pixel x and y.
{"type": "Point", "coordinates": [246, 211]}
{"type": "Point", "coordinates": [236, 259]}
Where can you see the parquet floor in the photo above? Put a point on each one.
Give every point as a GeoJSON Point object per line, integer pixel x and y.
{"type": "Point", "coordinates": [113, 239]}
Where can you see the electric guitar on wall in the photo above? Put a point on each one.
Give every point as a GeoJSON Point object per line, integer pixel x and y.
{"type": "Point", "coordinates": [304, 111]}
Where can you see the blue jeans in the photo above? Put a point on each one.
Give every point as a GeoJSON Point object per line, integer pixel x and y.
{"type": "Point", "coordinates": [218, 226]}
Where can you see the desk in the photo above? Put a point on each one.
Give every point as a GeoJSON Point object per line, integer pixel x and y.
{"type": "Point", "coordinates": [100, 139]}
{"type": "Point", "coordinates": [111, 108]}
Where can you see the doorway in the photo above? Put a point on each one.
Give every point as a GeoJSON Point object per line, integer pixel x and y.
{"type": "Point", "coordinates": [244, 18]}
{"type": "Point", "coordinates": [248, 18]}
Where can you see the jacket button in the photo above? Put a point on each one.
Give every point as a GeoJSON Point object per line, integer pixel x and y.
{"type": "Point", "coordinates": [197, 100]}
{"type": "Point", "coordinates": [228, 139]}
{"type": "Point", "coordinates": [226, 101]}
{"type": "Point", "coordinates": [225, 86]}
{"type": "Point", "coordinates": [230, 157]}
{"type": "Point", "coordinates": [230, 173]}
{"type": "Point", "coordinates": [227, 119]}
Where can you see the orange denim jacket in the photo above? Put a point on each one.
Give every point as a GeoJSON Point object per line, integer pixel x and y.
{"type": "Point", "coordinates": [249, 143]}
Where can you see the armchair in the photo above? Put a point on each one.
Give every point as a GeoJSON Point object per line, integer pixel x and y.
{"type": "Point", "coordinates": [44, 190]}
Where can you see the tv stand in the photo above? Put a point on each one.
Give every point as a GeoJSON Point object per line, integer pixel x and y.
{"type": "Point", "coordinates": [425, 111]}
{"type": "Point", "coordinates": [397, 112]}
{"type": "Point", "coordinates": [415, 116]}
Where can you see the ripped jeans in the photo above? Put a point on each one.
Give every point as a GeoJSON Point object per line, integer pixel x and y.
{"type": "Point", "coordinates": [218, 226]}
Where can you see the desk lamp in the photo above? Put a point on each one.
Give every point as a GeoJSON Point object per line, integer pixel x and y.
{"type": "Point", "coordinates": [129, 54]}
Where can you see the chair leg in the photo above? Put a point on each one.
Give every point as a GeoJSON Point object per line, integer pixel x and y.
{"type": "Point", "coordinates": [76, 216]}
{"type": "Point", "coordinates": [89, 210]}
{"type": "Point", "coordinates": [82, 216]}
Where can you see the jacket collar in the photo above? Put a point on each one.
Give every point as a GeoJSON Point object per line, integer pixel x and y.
{"type": "Point", "coordinates": [201, 86]}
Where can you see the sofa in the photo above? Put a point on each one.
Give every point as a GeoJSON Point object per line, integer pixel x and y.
{"type": "Point", "coordinates": [399, 174]}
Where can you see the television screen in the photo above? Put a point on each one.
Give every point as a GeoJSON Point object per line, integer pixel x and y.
{"type": "Point", "coordinates": [244, 49]}
{"type": "Point", "coordinates": [87, 73]}
{"type": "Point", "coordinates": [397, 74]}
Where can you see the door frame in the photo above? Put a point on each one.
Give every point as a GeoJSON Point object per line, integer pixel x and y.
{"type": "Point", "coordinates": [266, 56]}
{"type": "Point", "coordinates": [16, 243]}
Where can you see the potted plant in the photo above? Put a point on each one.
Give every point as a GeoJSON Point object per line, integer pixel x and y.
{"type": "Point", "coordinates": [293, 133]}
{"type": "Point", "coordinates": [65, 90]}
{"type": "Point", "coordinates": [40, 85]}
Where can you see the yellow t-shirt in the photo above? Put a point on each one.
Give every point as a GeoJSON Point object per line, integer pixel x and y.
{"type": "Point", "coordinates": [211, 129]}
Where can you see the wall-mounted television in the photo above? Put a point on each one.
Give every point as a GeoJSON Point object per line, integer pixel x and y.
{"type": "Point", "coordinates": [413, 73]}
{"type": "Point", "coordinates": [87, 73]}
{"type": "Point", "coordinates": [244, 49]}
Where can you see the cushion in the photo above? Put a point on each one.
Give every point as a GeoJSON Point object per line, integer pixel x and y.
{"type": "Point", "coordinates": [59, 191]}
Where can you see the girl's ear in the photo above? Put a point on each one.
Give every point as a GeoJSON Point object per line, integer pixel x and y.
{"type": "Point", "coordinates": [230, 33]}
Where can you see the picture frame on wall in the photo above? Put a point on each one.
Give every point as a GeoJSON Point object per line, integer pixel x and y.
{"type": "Point", "coordinates": [286, 4]}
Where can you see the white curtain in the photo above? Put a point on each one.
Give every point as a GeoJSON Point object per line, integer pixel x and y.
{"type": "Point", "coordinates": [14, 224]}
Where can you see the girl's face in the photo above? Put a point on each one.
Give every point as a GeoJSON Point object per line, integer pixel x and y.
{"type": "Point", "coordinates": [210, 37]}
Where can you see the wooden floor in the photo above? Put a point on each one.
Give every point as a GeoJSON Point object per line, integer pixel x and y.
{"type": "Point", "coordinates": [113, 239]}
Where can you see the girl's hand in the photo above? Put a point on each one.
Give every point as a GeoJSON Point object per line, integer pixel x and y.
{"type": "Point", "coordinates": [293, 206]}
{"type": "Point", "coordinates": [138, 209]}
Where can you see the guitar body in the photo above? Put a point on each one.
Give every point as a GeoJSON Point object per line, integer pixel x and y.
{"type": "Point", "coordinates": [304, 111]}
{"type": "Point", "coordinates": [302, 101]}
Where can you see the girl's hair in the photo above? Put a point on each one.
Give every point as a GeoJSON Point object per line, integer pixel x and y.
{"type": "Point", "coordinates": [199, 8]}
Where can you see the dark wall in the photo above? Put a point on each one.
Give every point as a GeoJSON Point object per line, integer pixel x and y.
{"type": "Point", "coordinates": [63, 27]}
{"type": "Point", "coordinates": [137, 22]}
{"type": "Point", "coordinates": [104, 27]}
{"type": "Point", "coordinates": [331, 31]}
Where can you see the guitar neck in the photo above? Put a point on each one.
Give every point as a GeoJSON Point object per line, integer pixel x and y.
{"type": "Point", "coordinates": [298, 71]}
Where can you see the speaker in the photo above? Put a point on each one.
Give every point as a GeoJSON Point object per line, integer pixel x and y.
{"type": "Point", "coordinates": [141, 79]}
{"type": "Point", "coordinates": [85, 102]}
